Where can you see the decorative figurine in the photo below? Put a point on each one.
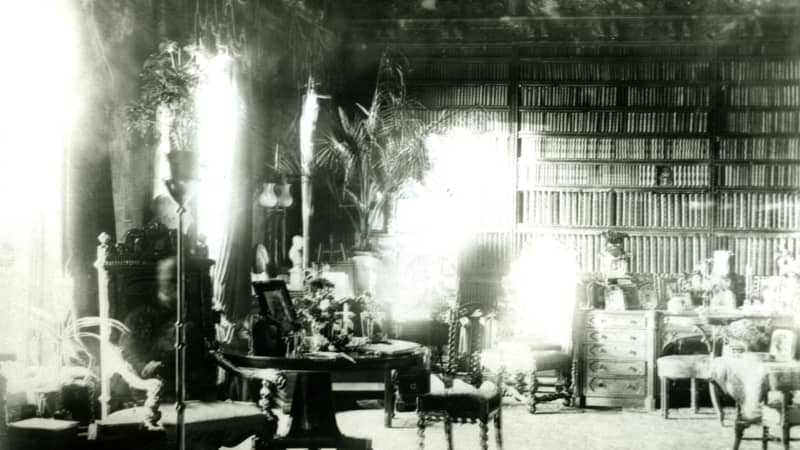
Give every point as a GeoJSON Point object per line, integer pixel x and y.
{"type": "Point", "coordinates": [296, 256]}
{"type": "Point", "coordinates": [615, 262]}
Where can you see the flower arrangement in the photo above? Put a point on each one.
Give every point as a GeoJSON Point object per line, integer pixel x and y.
{"type": "Point", "coordinates": [748, 334]}
{"type": "Point", "coordinates": [323, 318]}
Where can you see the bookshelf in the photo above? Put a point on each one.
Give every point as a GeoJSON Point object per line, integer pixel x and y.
{"type": "Point", "coordinates": [688, 146]}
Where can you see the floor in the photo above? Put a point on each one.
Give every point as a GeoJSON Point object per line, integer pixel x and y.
{"type": "Point", "coordinates": [557, 428]}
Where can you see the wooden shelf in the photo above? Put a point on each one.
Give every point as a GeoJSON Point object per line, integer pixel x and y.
{"type": "Point", "coordinates": [649, 162]}
{"type": "Point", "coordinates": [622, 109]}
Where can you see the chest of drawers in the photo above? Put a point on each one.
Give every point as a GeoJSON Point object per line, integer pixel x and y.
{"type": "Point", "coordinates": [615, 358]}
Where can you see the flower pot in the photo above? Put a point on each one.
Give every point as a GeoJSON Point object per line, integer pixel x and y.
{"type": "Point", "coordinates": [184, 165]}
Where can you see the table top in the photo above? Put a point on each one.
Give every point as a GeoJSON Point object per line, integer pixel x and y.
{"type": "Point", "coordinates": [391, 355]}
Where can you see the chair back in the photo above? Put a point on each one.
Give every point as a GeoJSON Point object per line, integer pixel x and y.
{"type": "Point", "coordinates": [783, 344]}
{"type": "Point", "coordinates": [129, 281]}
{"type": "Point", "coordinates": [471, 330]}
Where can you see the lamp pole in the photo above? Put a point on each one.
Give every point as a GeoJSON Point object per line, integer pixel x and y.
{"type": "Point", "coordinates": [183, 168]}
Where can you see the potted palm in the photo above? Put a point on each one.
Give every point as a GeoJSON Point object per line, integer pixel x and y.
{"type": "Point", "coordinates": [372, 154]}
{"type": "Point", "coordinates": [370, 157]}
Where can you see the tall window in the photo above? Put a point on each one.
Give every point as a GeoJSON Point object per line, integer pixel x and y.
{"type": "Point", "coordinates": [37, 87]}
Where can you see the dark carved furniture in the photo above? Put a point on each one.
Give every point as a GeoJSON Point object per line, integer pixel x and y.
{"type": "Point", "coordinates": [129, 280]}
{"type": "Point", "coordinates": [312, 411]}
{"type": "Point", "coordinates": [473, 400]}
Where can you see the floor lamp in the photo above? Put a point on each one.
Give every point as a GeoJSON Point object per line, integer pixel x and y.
{"type": "Point", "coordinates": [183, 167]}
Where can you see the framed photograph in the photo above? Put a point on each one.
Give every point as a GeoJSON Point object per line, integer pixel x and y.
{"type": "Point", "coordinates": [276, 319]}
{"type": "Point", "coordinates": [274, 301]}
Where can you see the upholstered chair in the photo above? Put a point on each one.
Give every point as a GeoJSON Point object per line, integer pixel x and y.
{"type": "Point", "coordinates": [781, 409]}
{"type": "Point", "coordinates": [471, 400]}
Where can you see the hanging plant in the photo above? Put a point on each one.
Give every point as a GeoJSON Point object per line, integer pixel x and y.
{"type": "Point", "coordinates": [169, 79]}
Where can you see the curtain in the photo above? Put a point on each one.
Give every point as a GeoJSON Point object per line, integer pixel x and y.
{"type": "Point", "coordinates": [224, 199]}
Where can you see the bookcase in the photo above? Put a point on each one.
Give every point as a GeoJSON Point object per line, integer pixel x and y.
{"type": "Point", "coordinates": [686, 146]}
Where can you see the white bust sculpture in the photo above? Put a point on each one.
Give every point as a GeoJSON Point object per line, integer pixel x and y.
{"type": "Point", "coordinates": [296, 252]}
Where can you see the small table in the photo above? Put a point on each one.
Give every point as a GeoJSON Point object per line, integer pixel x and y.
{"type": "Point", "coordinates": [313, 415]}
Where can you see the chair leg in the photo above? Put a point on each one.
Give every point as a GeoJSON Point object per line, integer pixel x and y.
{"type": "Point", "coordinates": [665, 397]}
{"type": "Point", "coordinates": [484, 425]}
{"type": "Point", "coordinates": [534, 388]}
{"type": "Point", "coordinates": [448, 432]}
{"type": "Point", "coordinates": [421, 432]}
{"type": "Point", "coordinates": [785, 436]}
{"type": "Point", "coordinates": [715, 401]}
{"type": "Point", "coordinates": [498, 429]}
{"type": "Point", "coordinates": [764, 438]}
{"type": "Point", "coordinates": [693, 394]}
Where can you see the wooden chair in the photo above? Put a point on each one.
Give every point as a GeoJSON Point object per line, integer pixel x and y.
{"type": "Point", "coordinates": [682, 367]}
{"type": "Point", "coordinates": [128, 278]}
{"type": "Point", "coordinates": [781, 410]}
{"type": "Point", "coordinates": [470, 401]}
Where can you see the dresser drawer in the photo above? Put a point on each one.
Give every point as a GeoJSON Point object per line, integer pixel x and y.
{"type": "Point", "coordinates": [681, 322]}
{"type": "Point", "coordinates": [614, 335]}
{"type": "Point", "coordinates": [615, 350]}
{"type": "Point", "coordinates": [615, 387]}
{"type": "Point", "coordinates": [626, 321]}
{"type": "Point", "coordinates": [601, 367]}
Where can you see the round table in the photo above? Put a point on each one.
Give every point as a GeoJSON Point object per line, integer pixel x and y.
{"type": "Point", "coordinates": [312, 413]}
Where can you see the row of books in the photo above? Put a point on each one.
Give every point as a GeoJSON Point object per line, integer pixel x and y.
{"type": "Point", "coordinates": [487, 251]}
{"type": "Point", "coordinates": [568, 95]}
{"type": "Point", "coordinates": [585, 247]}
{"type": "Point", "coordinates": [775, 96]}
{"type": "Point", "coordinates": [613, 122]}
{"type": "Point", "coordinates": [763, 121]}
{"type": "Point", "coordinates": [532, 174]}
{"type": "Point", "coordinates": [666, 254]}
{"type": "Point", "coordinates": [760, 70]}
{"type": "Point", "coordinates": [593, 50]}
{"type": "Point", "coordinates": [473, 120]}
{"type": "Point", "coordinates": [554, 208]}
{"type": "Point", "coordinates": [491, 95]}
{"type": "Point", "coordinates": [759, 148]}
{"type": "Point", "coordinates": [758, 252]}
{"type": "Point", "coordinates": [668, 96]}
{"type": "Point", "coordinates": [552, 147]}
{"type": "Point", "coordinates": [759, 175]}
{"type": "Point", "coordinates": [661, 209]}
{"type": "Point", "coordinates": [759, 210]}
{"type": "Point", "coordinates": [617, 71]}
{"type": "Point", "coordinates": [452, 70]}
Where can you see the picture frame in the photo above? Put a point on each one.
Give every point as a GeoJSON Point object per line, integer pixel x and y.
{"type": "Point", "coordinates": [276, 318]}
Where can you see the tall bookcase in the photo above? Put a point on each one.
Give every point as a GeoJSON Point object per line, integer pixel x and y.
{"type": "Point", "coordinates": [688, 143]}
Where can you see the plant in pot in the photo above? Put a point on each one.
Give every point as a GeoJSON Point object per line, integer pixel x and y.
{"type": "Point", "coordinates": [369, 157]}
{"type": "Point", "coordinates": [169, 79]}
{"type": "Point", "coordinates": [64, 375]}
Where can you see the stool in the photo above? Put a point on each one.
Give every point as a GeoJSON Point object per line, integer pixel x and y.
{"type": "Point", "coordinates": [681, 367]}
{"type": "Point", "coordinates": [42, 434]}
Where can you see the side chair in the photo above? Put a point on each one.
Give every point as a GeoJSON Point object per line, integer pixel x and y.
{"type": "Point", "coordinates": [466, 401]}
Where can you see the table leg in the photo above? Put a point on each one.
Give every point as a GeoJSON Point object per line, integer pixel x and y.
{"type": "Point", "coordinates": [388, 398]}
{"type": "Point", "coordinates": [313, 418]}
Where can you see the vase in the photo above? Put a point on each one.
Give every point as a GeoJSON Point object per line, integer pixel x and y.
{"type": "Point", "coordinates": [365, 268]}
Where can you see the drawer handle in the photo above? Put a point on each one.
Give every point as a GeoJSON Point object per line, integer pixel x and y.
{"type": "Point", "coordinates": [634, 322]}
{"type": "Point", "coordinates": [633, 338]}
{"type": "Point", "coordinates": [632, 352]}
{"type": "Point", "coordinates": [632, 387]}
{"type": "Point", "coordinates": [633, 369]}
{"type": "Point", "coordinates": [601, 384]}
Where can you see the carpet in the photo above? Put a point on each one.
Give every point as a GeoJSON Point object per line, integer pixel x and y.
{"type": "Point", "coordinates": [557, 428]}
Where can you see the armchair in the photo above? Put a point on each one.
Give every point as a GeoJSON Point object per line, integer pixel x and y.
{"type": "Point", "coordinates": [135, 284]}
